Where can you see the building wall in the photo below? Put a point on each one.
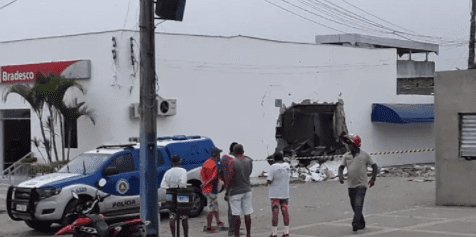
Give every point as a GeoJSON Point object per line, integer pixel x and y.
{"type": "Point", "coordinates": [226, 89]}
{"type": "Point", "coordinates": [415, 69]}
{"type": "Point", "coordinates": [454, 93]}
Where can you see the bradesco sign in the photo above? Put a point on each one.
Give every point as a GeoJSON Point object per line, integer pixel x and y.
{"type": "Point", "coordinates": [80, 69]}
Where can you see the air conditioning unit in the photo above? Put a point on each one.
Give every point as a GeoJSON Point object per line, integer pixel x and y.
{"type": "Point", "coordinates": [134, 110]}
{"type": "Point", "coordinates": [167, 107]}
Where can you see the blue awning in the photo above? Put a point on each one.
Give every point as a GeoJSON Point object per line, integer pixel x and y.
{"type": "Point", "coordinates": [403, 113]}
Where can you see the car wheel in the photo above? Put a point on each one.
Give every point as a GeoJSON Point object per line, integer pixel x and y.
{"type": "Point", "coordinates": [69, 215]}
{"type": "Point", "coordinates": [42, 226]}
{"type": "Point", "coordinates": [198, 201]}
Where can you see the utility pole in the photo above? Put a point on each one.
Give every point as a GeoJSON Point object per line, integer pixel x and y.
{"type": "Point", "coordinates": [471, 64]}
{"type": "Point", "coordinates": [148, 120]}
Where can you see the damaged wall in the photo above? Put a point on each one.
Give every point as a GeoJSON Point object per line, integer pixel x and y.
{"type": "Point", "coordinates": [226, 88]}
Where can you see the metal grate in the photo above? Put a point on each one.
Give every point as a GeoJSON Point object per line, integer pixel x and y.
{"type": "Point", "coordinates": [467, 145]}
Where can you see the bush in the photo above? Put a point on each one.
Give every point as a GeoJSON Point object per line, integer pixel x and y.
{"type": "Point", "coordinates": [38, 168]}
{"type": "Point", "coordinates": [29, 160]}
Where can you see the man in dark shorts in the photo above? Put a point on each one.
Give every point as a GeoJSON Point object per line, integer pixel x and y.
{"type": "Point", "coordinates": [356, 162]}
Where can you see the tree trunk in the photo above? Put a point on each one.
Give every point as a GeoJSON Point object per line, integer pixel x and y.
{"type": "Point", "coordinates": [69, 140]}
{"type": "Point", "coordinates": [48, 154]}
{"type": "Point", "coordinates": [52, 132]}
{"type": "Point", "coordinates": [62, 123]}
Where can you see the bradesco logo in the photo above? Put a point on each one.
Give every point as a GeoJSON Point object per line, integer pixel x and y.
{"type": "Point", "coordinates": [18, 76]}
{"type": "Point", "coordinates": [29, 73]}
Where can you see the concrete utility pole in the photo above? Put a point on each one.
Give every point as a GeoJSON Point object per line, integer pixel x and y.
{"type": "Point", "coordinates": [148, 119]}
{"type": "Point", "coordinates": [471, 36]}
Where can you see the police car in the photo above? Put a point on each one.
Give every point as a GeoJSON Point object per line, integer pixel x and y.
{"type": "Point", "coordinates": [45, 200]}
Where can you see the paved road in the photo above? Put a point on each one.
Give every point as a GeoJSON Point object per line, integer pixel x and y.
{"type": "Point", "coordinates": [394, 207]}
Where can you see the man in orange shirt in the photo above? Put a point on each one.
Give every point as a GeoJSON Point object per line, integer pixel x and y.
{"type": "Point", "coordinates": [210, 174]}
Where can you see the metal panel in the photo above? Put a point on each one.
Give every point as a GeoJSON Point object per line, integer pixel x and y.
{"type": "Point", "coordinates": [468, 135]}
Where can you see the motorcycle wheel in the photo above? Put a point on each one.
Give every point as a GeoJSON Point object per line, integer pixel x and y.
{"type": "Point", "coordinates": [42, 226]}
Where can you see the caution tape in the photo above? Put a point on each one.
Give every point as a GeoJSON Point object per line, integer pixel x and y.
{"type": "Point", "coordinates": [401, 152]}
{"type": "Point", "coordinates": [372, 154]}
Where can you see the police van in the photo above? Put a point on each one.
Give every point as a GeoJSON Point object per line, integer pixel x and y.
{"type": "Point", "coordinates": [47, 199]}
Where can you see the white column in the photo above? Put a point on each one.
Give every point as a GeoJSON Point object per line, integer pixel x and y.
{"type": "Point", "coordinates": [2, 135]}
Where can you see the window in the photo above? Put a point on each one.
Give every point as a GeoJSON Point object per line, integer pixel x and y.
{"type": "Point", "coordinates": [415, 86]}
{"type": "Point", "coordinates": [467, 137]}
{"type": "Point", "coordinates": [124, 163]}
{"type": "Point", "coordinates": [72, 127]}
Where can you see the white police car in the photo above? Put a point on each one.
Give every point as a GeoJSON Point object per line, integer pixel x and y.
{"type": "Point", "coordinates": [47, 199]}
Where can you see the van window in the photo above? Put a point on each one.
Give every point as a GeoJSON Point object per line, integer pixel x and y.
{"type": "Point", "coordinates": [124, 163]}
{"type": "Point", "coordinates": [160, 158]}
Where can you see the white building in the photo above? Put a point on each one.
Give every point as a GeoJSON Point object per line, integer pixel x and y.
{"type": "Point", "coordinates": [225, 88]}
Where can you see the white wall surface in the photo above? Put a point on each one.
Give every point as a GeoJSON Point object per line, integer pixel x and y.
{"type": "Point", "coordinates": [226, 89]}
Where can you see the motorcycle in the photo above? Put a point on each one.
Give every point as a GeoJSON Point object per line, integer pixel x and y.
{"type": "Point", "coordinates": [89, 224]}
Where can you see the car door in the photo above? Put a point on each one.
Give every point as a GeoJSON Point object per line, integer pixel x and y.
{"type": "Point", "coordinates": [122, 176]}
{"type": "Point", "coordinates": [163, 164]}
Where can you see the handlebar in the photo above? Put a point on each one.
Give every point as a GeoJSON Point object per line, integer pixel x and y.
{"type": "Point", "coordinates": [96, 200]}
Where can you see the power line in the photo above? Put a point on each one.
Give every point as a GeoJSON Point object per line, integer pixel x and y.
{"type": "Point", "coordinates": [8, 4]}
{"type": "Point", "coordinates": [342, 16]}
{"type": "Point", "coordinates": [303, 17]}
{"type": "Point", "coordinates": [376, 16]}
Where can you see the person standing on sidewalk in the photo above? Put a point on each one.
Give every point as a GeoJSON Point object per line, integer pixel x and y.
{"type": "Point", "coordinates": [356, 162]}
{"type": "Point", "coordinates": [278, 181]}
{"type": "Point", "coordinates": [226, 161]}
{"type": "Point", "coordinates": [176, 177]}
{"type": "Point", "coordinates": [210, 174]}
{"type": "Point", "coordinates": [240, 189]}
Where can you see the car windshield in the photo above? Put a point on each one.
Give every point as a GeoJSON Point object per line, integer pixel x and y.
{"type": "Point", "coordinates": [84, 163]}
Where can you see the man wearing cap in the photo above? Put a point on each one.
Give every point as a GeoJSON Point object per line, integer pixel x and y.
{"type": "Point", "coordinates": [227, 161]}
{"type": "Point", "coordinates": [210, 174]}
{"type": "Point", "coordinates": [176, 177]}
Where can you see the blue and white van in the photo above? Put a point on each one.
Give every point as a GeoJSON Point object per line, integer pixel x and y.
{"type": "Point", "coordinates": [47, 199]}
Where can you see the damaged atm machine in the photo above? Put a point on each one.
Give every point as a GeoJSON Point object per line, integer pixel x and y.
{"type": "Point", "coordinates": [308, 134]}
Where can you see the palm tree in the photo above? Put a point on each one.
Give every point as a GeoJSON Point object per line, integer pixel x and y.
{"type": "Point", "coordinates": [53, 89]}
{"type": "Point", "coordinates": [29, 94]}
{"type": "Point", "coordinates": [73, 113]}
{"type": "Point", "coordinates": [50, 91]}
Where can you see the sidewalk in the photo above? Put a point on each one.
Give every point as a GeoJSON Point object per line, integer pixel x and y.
{"type": "Point", "coordinates": [422, 221]}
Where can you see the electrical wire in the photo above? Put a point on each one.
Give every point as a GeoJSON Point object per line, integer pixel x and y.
{"type": "Point", "coordinates": [160, 23]}
{"type": "Point", "coordinates": [8, 4]}
{"type": "Point", "coordinates": [347, 18]}
{"type": "Point", "coordinates": [303, 17]}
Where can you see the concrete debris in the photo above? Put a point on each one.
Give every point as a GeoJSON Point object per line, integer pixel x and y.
{"type": "Point", "coordinates": [314, 171]}
{"type": "Point", "coordinates": [426, 171]}
{"type": "Point", "coordinates": [329, 171]}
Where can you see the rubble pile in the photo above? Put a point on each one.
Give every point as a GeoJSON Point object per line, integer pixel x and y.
{"type": "Point", "coordinates": [314, 171]}
{"type": "Point", "coordinates": [329, 171]}
{"type": "Point", "coordinates": [423, 171]}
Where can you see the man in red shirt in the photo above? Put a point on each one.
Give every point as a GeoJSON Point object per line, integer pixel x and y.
{"type": "Point", "coordinates": [210, 174]}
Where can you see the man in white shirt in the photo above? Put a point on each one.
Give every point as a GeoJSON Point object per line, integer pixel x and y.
{"type": "Point", "coordinates": [176, 177]}
{"type": "Point", "coordinates": [278, 181]}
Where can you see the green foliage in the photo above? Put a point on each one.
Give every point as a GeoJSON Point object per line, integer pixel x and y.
{"type": "Point", "coordinates": [39, 168]}
{"type": "Point", "coordinates": [50, 91]}
{"type": "Point", "coordinates": [29, 160]}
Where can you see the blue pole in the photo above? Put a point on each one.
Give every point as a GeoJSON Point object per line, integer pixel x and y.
{"type": "Point", "coordinates": [148, 126]}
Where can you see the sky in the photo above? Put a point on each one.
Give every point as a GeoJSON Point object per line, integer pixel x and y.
{"type": "Point", "coordinates": [442, 22]}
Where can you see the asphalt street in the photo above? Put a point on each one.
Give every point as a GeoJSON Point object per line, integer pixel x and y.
{"type": "Point", "coordinates": [393, 207]}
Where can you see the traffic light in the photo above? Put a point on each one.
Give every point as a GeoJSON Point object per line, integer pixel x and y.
{"type": "Point", "coordinates": [170, 9]}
